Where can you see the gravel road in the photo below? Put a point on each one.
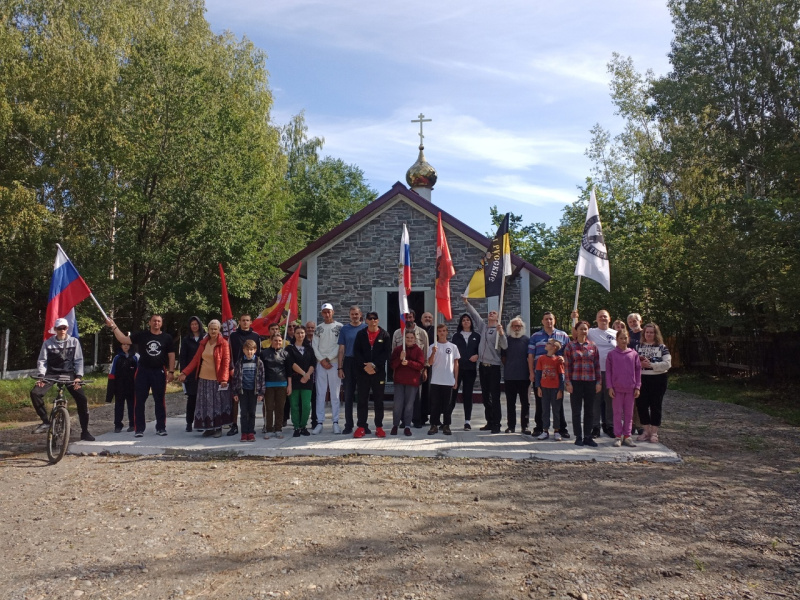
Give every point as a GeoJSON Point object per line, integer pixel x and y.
{"type": "Point", "coordinates": [722, 524]}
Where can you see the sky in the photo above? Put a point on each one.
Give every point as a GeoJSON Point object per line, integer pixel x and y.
{"type": "Point", "coordinates": [512, 88]}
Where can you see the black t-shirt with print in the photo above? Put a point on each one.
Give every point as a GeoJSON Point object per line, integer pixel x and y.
{"type": "Point", "coordinates": [153, 348]}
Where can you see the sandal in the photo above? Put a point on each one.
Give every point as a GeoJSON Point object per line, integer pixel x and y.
{"type": "Point", "coordinates": [653, 438]}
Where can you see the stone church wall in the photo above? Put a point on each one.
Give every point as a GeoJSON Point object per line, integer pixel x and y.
{"type": "Point", "coordinates": [368, 258]}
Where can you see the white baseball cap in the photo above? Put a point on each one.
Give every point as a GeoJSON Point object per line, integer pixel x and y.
{"type": "Point", "coordinates": [61, 323]}
{"type": "Point", "coordinates": [327, 306]}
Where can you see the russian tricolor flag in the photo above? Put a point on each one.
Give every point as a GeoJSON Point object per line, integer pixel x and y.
{"type": "Point", "coordinates": [404, 278]}
{"type": "Point", "coordinates": [67, 290]}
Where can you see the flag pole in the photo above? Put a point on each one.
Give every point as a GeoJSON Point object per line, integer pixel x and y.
{"type": "Point", "coordinates": [97, 304]}
{"type": "Point", "coordinates": [500, 311]}
{"type": "Point", "coordinates": [288, 318]}
{"type": "Point", "coordinates": [402, 283]}
{"type": "Point", "coordinates": [575, 305]}
{"type": "Point", "coordinates": [435, 314]}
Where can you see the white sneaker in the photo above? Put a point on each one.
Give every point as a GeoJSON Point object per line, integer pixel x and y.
{"type": "Point", "coordinates": [543, 436]}
{"type": "Point", "coordinates": [267, 435]}
{"type": "Point", "coordinates": [336, 429]}
{"type": "Point", "coordinates": [557, 437]}
{"type": "Point", "coordinates": [279, 435]}
{"type": "Point", "coordinates": [317, 430]}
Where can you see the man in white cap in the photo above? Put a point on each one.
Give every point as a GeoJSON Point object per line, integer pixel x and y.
{"type": "Point", "coordinates": [61, 357]}
{"type": "Point", "coordinates": [326, 349]}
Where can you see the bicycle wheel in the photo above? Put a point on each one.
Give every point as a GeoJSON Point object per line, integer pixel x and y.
{"type": "Point", "coordinates": [58, 435]}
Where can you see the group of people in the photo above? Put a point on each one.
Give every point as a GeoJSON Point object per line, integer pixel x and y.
{"type": "Point", "coordinates": [616, 376]}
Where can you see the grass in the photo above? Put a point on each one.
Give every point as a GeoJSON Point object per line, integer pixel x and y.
{"type": "Point", "coordinates": [754, 443]}
{"type": "Point", "coordinates": [750, 392]}
{"type": "Point", "coordinates": [698, 564]}
{"type": "Point", "coordinates": [15, 401]}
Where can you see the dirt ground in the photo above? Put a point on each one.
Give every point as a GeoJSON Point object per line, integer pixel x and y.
{"type": "Point", "coordinates": [722, 524]}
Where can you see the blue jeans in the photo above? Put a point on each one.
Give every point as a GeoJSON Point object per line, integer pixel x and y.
{"type": "Point", "coordinates": [403, 410]}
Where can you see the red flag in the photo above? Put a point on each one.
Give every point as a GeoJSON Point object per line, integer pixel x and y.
{"type": "Point", "coordinates": [287, 300]}
{"type": "Point", "coordinates": [444, 272]}
{"type": "Point", "coordinates": [228, 322]}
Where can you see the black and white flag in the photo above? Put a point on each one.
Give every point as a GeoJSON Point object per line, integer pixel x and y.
{"type": "Point", "coordinates": [593, 256]}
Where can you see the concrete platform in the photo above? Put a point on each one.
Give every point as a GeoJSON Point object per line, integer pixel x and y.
{"type": "Point", "coordinates": [462, 444]}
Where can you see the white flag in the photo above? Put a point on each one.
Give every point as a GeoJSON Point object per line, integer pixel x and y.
{"type": "Point", "coordinates": [593, 256]}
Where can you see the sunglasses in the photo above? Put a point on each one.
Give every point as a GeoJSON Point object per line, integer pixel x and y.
{"type": "Point", "coordinates": [64, 327]}
{"type": "Point", "coordinates": [372, 318]}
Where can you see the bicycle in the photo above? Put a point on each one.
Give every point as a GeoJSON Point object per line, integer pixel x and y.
{"type": "Point", "coordinates": [59, 430]}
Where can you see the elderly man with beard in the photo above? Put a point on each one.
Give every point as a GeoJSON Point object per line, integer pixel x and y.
{"type": "Point", "coordinates": [517, 376]}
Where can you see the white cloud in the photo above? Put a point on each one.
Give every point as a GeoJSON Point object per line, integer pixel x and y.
{"type": "Point", "coordinates": [450, 139]}
{"type": "Point", "coordinates": [517, 189]}
{"type": "Point", "coordinates": [513, 87]}
{"type": "Point", "coordinates": [588, 67]}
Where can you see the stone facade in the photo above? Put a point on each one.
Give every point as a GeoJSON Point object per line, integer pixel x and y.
{"type": "Point", "coordinates": [367, 258]}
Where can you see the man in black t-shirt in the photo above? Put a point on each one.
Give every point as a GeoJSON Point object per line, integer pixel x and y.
{"type": "Point", "coordinates": [156, 364]}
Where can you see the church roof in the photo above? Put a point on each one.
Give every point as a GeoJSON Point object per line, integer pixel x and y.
{"type": "Point", "coordinates": [398, 189]}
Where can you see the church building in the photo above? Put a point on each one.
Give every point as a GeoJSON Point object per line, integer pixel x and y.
{"type": "Point", "coordinates": [356, 263]}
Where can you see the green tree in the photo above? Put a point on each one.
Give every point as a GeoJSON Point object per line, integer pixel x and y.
{"type": "Point", "coordinates": [145, 139]}
{"type": "Point", "coordinates": [730, 117]}
{"type": "Point", "coordinates": [324, 191]}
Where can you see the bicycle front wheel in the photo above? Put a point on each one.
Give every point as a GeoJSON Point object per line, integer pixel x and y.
{"type": "Point", "coordinates": [58, 435]}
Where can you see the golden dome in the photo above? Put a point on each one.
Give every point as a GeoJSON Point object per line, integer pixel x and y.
{"type": "Point", "coordinates": [421, 173]}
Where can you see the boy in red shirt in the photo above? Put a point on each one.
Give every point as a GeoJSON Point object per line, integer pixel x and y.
{"type": "Point", "coordinates": [549, 384]}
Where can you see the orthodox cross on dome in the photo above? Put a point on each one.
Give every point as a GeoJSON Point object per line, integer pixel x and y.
{"type": "Point", "coordinates": [421, 119]}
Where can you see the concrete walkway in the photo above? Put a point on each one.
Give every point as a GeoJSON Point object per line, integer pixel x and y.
{"type": "Point", "coordinates": [462, 444]}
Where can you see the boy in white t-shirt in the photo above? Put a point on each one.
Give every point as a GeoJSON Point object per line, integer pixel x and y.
{"type": "Point", "coordinates": [443, 359]}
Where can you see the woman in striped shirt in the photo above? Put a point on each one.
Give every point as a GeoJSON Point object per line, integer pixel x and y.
{"type": "Point", "coordinates": [582, 373]}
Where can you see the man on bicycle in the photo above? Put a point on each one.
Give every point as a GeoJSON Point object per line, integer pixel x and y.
{"type": "Point", "coordinates": [61, 357]}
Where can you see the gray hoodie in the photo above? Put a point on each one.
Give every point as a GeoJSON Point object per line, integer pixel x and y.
{"type": "Point", "coordinates": [487, 354]}
{"type": "Point", "coordinates": [60, 357]}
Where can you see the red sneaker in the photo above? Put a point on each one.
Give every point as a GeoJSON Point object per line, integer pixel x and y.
{"type": "Point", "coordinates": [244, 437]}
{"type": "Point", "coordinates": [379, 432]}
{"type": "Point", "coordinates": [251, 437]}
{"type": "Point", "coordinates": [359, 433]}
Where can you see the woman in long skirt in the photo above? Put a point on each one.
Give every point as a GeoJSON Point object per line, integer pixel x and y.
{"type": "Point", "coordinates": [212, 362]}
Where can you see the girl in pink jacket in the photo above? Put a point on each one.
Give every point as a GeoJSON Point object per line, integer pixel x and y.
{"type": "Point", "coordinates": [623, 381]}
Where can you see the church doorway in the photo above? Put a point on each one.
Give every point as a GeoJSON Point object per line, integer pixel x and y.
{"type": "Point", "coordinates": [385, 302]}
{"type": "Point", "coordinates": [416, 302]}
